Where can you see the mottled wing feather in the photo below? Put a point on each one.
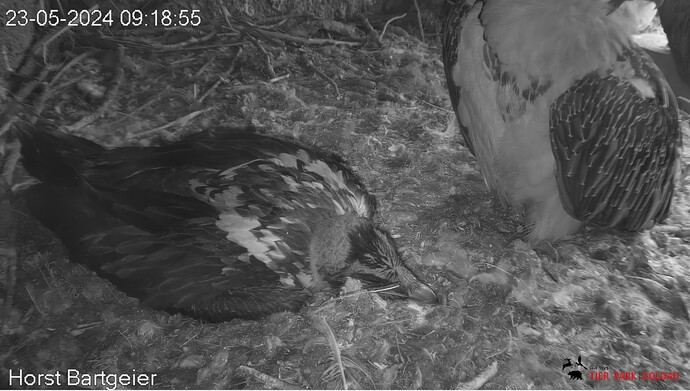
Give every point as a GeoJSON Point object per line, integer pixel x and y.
{"type": "Point", "coordinates": [450, 38]}
{"type": "Point", "coordinates": [287, 196]}
{"type": "Point", "coordinates": [190, 268]}
{"type": "Point", "coordinates": [157, 221]}
{"type": "Point", "coordinates": [675, 19]}
{"type": "Point", "coordinates": [616, 150]}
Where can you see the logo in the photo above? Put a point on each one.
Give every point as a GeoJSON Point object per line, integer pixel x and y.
{"type": "Point", "coordinates": [575, 374]}
{"type": "Point", "coordinates": [597, 372]}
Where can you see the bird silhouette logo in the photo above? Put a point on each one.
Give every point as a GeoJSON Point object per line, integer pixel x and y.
{"type": "Point", "coordinates": [575, 374]}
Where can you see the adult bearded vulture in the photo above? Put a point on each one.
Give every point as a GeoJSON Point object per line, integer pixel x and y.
{"type": "Point", "coordinates": [567, 117]}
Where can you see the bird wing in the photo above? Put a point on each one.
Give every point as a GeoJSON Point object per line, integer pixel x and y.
{"type": "Point", "coordinates": [188, 268]}
{"type": "Point", "coordinates": [263, 197]}
{"type": "Point", "coordinates": [450, 38]}
{"type": "Point", "coordinates": [615, 137]}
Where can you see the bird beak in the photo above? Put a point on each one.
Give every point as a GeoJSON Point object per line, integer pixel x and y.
{"type": "Point", "coordinates": [422, 292]}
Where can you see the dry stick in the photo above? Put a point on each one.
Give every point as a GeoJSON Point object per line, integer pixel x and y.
{"type": "Point", "coordinates": [31, 296]}
{"type": "Point", "coordinates": [391, 20]}
{"type": "Point", "coordinates": [481, 379]}
{"type": "Point", "coordinates": [203, 67]}
{"type": "Point", "coordinates": [226, 13]}
{"type": "Point", "coordinates": [279, 78]}
{"type": "Point", "coordinates": [269, 381]}
{"type": "Point", "coordinates": [211, 89]}
{"type": "Point", "coordinates": [307, 41]}
{"type": "Point", "coordinates": [310, 65]}
{"type": "Point", "coordinates": [231, 69]}
{"type": "Point", "coordinates": [419, 21]}
{"type": "Point", "coordinates": [180, 121]}
{"type": "Point", "coordinates": [330, 337]}
{"type": "Point", "coordinates": [187, 42]}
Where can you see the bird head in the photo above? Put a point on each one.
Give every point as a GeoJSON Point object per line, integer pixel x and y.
{"type": "Point", "coordinates": [374, 259]}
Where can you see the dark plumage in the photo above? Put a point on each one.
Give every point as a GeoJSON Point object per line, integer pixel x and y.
{"type": "Point", "coordinates": [675, 19]}
{"type": "Point", "coordinates": [218, 225]}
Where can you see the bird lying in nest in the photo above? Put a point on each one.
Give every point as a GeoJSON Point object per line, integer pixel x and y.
{"type": "Point", "coordinates": [216, 226]}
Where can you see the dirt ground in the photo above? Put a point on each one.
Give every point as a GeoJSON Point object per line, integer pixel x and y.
{"type": "Point", "coordinates": [513, 314]}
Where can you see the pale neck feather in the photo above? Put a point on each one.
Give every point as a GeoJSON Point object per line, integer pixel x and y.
{"type": "Point", "coordinates": [554, 39]}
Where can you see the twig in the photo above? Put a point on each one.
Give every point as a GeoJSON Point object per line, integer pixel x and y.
{"type": "Point", "coordinates": [481, 379]}
{"type": "Point", "coordinates": [233, 63]}
{"type": "Point", "coordinates": [31, 296]}
{"type": "Point", "coordinates": [126, 339]}
{"type": "Point", "coordinates": [211, 89]}
{"type": "Point", "coordinates": [420, 26]}
{"type": "Point", "coordinates": [180, 121]}
{"type": "Point", "coordinates": [210, 61]}
{"type": "Point", "coordinates": [279, 78]}
{"type": "Point", "coordinates": [269, 381]}
{"type": "Point", "coordinates": [307, 41]}
{"type": "Point", "coordinates": [330, 337]}
{"type": "Point", "coordinates": [391, 20]}
{"type": "Point", "coordinates": [310, 65]}
{"type": "Point", "coordinates": [436, 107]}
{"type": "Point", "coordinates": [187, 42]}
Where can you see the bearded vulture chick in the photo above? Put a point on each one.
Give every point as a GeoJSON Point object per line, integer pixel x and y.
{"type": "Point", "coordinates": [218, 225]}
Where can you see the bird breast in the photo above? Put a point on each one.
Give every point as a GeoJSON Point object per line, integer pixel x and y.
{"type": "Point", "coordinates": [560, 40]}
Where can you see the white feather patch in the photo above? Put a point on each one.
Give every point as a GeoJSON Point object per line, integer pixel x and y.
{"type": "Point", "coordinates": [286, 160]}
{"type": "Point", "coordinates": [230, 172]}
{"type": "Point", "coordinates": [554, 39]}
{"type": "Point", "coordinates": [239, 230]}
{"type": "Point", "coordinates": [625, 70]}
